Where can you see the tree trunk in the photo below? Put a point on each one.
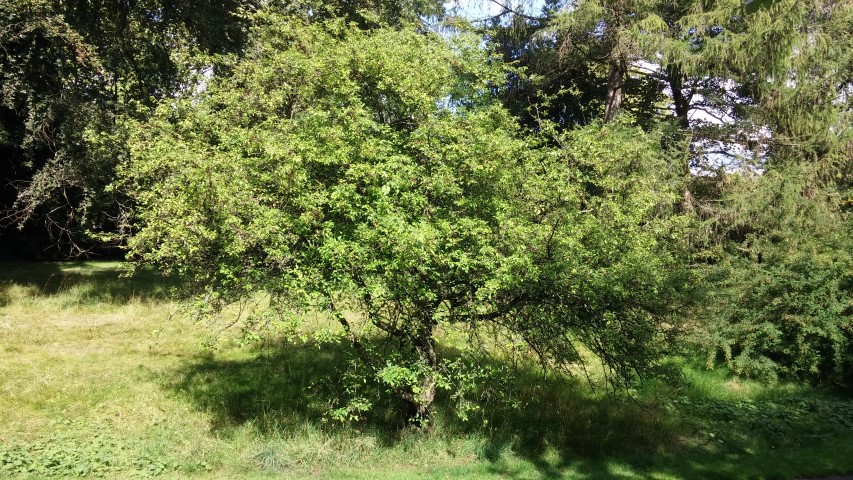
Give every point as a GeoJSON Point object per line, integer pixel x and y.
{"type": "Point", "coordinates": [421, 407]}
{"type": "Point", "coordinates": [615, 81]}
{"type": "Point", "coordinates": [420, 403]}
{"type": "Point", "coordinates": [679, 100]}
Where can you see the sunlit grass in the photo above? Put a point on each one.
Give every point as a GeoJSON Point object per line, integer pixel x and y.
{"type": "Point", "coordinates": [101, 375]}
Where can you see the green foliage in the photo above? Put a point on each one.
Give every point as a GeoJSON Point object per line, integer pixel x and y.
{"type": "Point", "coordinates": [49, 74]}
{"type": "Point", "coordinates": [605, 270]}
{"type": "Point", "coordinates": [78, 450]}
{"type": "Point", "coordinates": [781, 422]}
{"type": "Point", "coordinates": [781, 303]}
{"type": "Point", "coordinates": [69, 69]}
{"type": "Point", "coordinates": [779, 74]}
{"type": "Point", "coordinates": [774, 230]}
{"type": "Point", "coordinates": [322, 173]}
{"type": "Point", "coordinates": [59, 457]}
{"type": "Point", "coordinates": [752, 6]}
{"type": "Point", "coordinates": [576, 56]}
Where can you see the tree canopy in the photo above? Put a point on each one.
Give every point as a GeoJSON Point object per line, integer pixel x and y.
{"type": "Point", "coordinates": [321, 172]}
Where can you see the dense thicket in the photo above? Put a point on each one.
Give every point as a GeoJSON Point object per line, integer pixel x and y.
{"type": "Point", "coordinates": [70, 69]}
{"type": "Point", "coordinates": [590, 180]}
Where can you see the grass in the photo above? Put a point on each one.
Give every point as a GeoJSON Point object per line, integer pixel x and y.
{"type": "Point", "coordinates": [100, 377]}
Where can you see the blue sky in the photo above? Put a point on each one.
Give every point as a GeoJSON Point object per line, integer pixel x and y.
{"type": "Point", "coordinates": [481, 9]}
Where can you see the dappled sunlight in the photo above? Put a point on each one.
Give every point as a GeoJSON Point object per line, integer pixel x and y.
{"type": "Point", "coordinates": [287, 391]}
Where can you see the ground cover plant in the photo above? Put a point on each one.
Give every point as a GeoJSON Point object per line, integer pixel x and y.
{"type": "Point", "coordinates": [100, 380]}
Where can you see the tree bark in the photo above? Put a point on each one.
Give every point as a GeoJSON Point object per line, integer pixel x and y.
{"type": "Point", "coordinates": [679, 100]}
{"type": "Point", "coordinates": [615, 81]}
{"type": "Point", "coordinates": [420, 403]}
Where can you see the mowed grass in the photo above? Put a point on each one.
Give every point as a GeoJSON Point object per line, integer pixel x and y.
{"type": "Point", "coordinates": [100, 375]}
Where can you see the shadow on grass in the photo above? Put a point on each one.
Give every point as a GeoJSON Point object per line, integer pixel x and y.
{"type": "Point", "coordinates": [81, 282]}
{"type": "Point", "coordinates": [554, 425]}
{"type": "Point", "coordinates": [679, 431]}
{"type": "Point", "coordinates": [281, 390]}
{"type": "Point", "coordinates": [288, 384]}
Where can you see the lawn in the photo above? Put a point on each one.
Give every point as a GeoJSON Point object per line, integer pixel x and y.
{"type": "Point", "coordinates": [103, 375]}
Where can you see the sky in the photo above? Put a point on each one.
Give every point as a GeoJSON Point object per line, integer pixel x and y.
{"type": "Point", "coordinates": [481, 9]}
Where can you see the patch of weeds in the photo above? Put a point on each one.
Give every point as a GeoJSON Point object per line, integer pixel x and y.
{"type": "Point", "coordinates": [271, 460]}
{"type": "Point", "coordinates": [80, 449]}
{"type": "Point", "coordinates": [781, 422]}
{"type": "Point", "coordinates": [65, 454]}
{"type": "Point", "coordinates": [151, 466]}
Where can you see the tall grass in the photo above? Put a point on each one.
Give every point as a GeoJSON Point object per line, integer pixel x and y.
{"type": "Point", "coordinates": [100, 377]}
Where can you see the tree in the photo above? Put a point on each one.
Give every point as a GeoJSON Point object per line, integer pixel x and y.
{"type": "Point", "coordinates": [767, 157]}
{"type": "Point", "coordinates": [587, 60]}
{"type": "Point", "coordinates": [548, 83]}
{"type": "Point", "coordinates": [322, 173]}
{"type": "Point", "coordinates": [780, 300]}
{"type": "Point", "coordinates": [779, 225]}
{"type": "Point", "coordinates": [70, 69]}
{"type": "Point", "coordinates": [777, 76]}
{"type": "Point", "coordinates": [49, 73]}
